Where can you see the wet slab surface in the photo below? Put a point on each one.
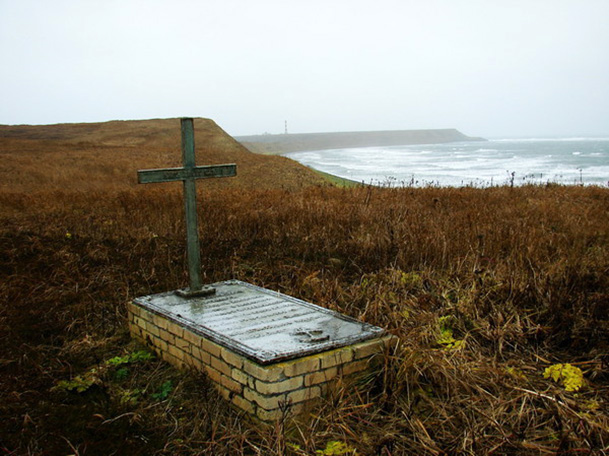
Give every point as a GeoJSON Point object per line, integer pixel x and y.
{"type": "Point", "coordinates": [263, 325]}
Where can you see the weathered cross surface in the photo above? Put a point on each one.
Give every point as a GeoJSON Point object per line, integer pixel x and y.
{"type": "Point", "coordinates": [188, 173]}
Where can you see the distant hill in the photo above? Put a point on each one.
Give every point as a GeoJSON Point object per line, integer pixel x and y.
{"type": "Point", "coordinates": [280, 144]}
{"type": "Point", "coordinates": [107, 155]}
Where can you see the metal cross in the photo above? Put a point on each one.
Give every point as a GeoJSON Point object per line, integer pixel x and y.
{"type": "Point", "coordinates": [188, 173]}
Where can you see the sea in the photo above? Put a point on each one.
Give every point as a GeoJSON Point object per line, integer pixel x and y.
{"type": "Point", "coordinates": [513, 162]}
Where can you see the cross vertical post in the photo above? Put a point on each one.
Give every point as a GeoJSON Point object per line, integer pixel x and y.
{"type": "Point", "coordinates": [193, 252]}
{"type": "Point", "coordinates": [188, 173]}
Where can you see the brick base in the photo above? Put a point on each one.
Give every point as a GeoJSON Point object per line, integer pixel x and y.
{"type": "Point", "coordinates": [266, 391]}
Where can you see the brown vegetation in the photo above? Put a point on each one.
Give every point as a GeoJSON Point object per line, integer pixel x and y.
{"type": "Point", "coordinates": [107, 155]}
{"type": "Point", "coordinates": [485, 289]}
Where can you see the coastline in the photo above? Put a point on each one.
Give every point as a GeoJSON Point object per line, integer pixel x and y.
{"type": "Point", "coordinates": [495, 162]}
{"type": "Point", "coordinates": [285, 143]}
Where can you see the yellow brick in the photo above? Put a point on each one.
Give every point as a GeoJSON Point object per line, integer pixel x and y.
{"type": "Point", "coordinates": [329, 388]}
{"type": "Point", "coordinates": [371, 347]}
{"type": "Point", "coordinates": [166, 356]}
{"type": "Point", "coordinates": [203, 356]}
{"type": "Point", "coordinates": [321, 376]}
{"type": "Point", "coordinates": [289, 384]}
{"type": "Point", "coordinates": [152, 329]}
{"type": "Point", "coordinates": [231, 384]}
{"type": "Point", "coordinates": [134, 329]}
{"type": "Point", "coordinates": [221, 366]}
{"type": "Point", "coordinates": [270, 373]}
{"type": "Point", "coordinates": [356, 366]}
{"type": "Point", "coordinates": [142, 338]}
{"type": "Point", "coordinates": [195, 352]}
{"type": "Point", "coordinates": [145, 336]}
{"type": "Point", "coordinates": [336, 357]}
{"type": "Point", "coordinates": [304, 394]}
{"type": "Point", "coordinates": [167, 337]}
{"type": "Point", "coordinates": [175, 351]}
{"type": "Point", "coordinates": [160, 344]}
{"type": "Point", "coordinates": [240, 376]}
{"type": "Point", "coordinates": [150, 339]}
{"type": "Point", "coordinates": [266, 402]}
{"type": "Point", "coordinates": [160, 321]}
{"type": "Point", "coordinates": [193, 338]}
{"type": "Point", "coordinates": [225, 393]}
{"type": "Point", "coordinates": [182, 344]}
{"type": "Point", "coordinates": [133, 308]}
{"type": "Point", "coordinates": [195, 363]}
{"type": "Point", "coordinates": [175, 329]}
{"type": "Point", "coordinates": [137, 336]}
{"type": "Point", "coordinates": [269, 415]}
{"type": "Point", "coordinates": [139, 321]}
{"type": "Point", "coordinates": [191, 362]}
{"type": "Point", "coordinates": [172, 360]}
{"type": "Point", "coordinates": [232, 358]}
{"type": "Point", "coordinates": [145, 314]}
{"type": "Point", "coordinates": [211, 347]}
{"type": "Point", "coordinates": [302, 365]}
{"type": "Point", "coordinates": [290, 410]}
{"type": "Point", "coordinates": [296, 409]}
{"type": "Point", "coordinates": [141, 312]}
{"type": "Point", "coordinates": [243, 404]}
{"type": "Point", "coordinates": [223, 380]}
{"type": "Point", "coordinates": [213, 374]}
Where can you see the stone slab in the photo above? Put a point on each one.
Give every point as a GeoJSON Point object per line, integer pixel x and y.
{"type": "Point", "coordinates": [262, 325]}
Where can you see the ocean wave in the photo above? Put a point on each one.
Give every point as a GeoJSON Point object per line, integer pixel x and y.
{"type": "Point", "coordinates": [529, 160]}
{"type": "Point", "coordinates": [570, 139]}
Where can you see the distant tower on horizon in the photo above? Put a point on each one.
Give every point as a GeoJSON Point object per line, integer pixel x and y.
{"type": "Point", "coordinates": [286, 127]}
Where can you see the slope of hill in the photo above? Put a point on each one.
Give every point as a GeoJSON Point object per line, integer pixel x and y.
{"type": "Point", "coordinates": [499, 298]}
{"type": "Point", "coordinates": [52, 157]}
{"type": "Point", "coordinates": [280, 144]}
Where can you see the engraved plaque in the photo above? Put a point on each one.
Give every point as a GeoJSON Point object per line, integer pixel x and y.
{"type": "Point", "coordinates": [261, 324]}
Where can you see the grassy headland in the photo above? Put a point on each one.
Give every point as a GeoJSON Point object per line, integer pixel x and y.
{"type": "Point", "coordinates": [107, 155]}
{"type": "Point", "coordinates": [485, 289]}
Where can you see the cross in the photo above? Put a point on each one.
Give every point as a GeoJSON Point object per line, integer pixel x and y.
{"type": "Point", "coordinates": [188, 173]}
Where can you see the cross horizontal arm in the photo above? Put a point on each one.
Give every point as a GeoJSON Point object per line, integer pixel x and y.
{"type": "Point", "coordinates": [149, 176]}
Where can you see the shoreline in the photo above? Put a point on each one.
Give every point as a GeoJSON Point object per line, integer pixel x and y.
{"type": "Point", "coordinates": [300, 142]}
{"type": "Point", "coordinates": [470, 164]}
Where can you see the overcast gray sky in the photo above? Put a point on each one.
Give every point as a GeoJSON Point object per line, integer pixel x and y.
{"type": "Point", "coordinates": [487, 67]}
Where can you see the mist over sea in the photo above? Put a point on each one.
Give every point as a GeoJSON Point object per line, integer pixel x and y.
{"type": "Point", "coordinates": [570, 161]}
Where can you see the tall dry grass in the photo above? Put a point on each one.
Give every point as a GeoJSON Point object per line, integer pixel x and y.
{"type": "Point", "coordinates": [106, 156]}
{"type": "Point", "coordinates": [519, 276]}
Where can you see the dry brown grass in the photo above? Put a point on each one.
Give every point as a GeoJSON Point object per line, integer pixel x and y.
{"type": "Point", "coordinates": [102, 156]}
{"type": "Point", "coordinates": [519, 275]}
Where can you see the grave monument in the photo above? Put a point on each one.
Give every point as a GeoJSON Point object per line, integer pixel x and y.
{"type": "Point", "coordinates": [267, 353]}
